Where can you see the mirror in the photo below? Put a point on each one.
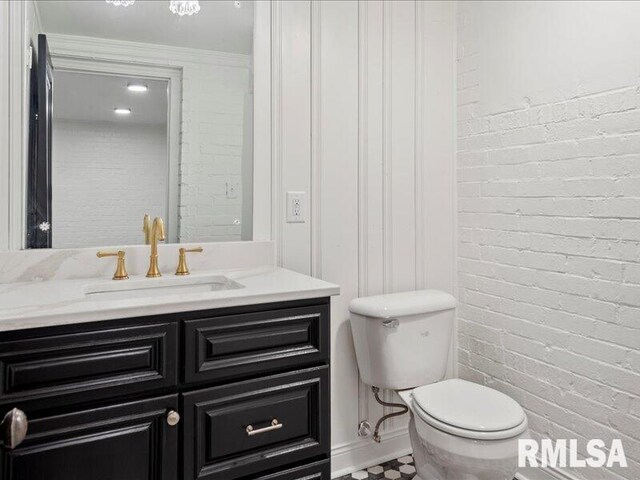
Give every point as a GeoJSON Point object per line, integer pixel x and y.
{"type": "Point", "coordinates": [140, 107]}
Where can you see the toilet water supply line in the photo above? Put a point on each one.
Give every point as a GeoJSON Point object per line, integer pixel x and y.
{"type": "Point", "coordinates": [405, 409]}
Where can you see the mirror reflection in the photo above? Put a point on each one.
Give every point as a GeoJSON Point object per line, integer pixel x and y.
{"type": "Point", "coordinates": [140, 108]}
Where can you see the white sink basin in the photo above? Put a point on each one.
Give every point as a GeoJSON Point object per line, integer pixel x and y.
{"type": "Point", "coordinates": [159, 287]}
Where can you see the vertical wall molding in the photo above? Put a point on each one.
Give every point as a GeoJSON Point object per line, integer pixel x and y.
{"type": "Point", "coordinates": [4, 125]}
{"type": "Point", "coordinates": [316, 140]}
{"type": "Point", "coordinates": [363, 183]}
{"type": "Point", "coordinates": [18, 125]}
{"type": "Point", "coordinates": [387, 159]}
{"type": "Point", "coordinates": [387, 169]}
{"type": "Point", "coordinates": [421, 267]}
{"type": "Point", "coordinates": [276, 134]}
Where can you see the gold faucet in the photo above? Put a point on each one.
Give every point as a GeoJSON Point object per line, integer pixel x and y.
{"type": "Point", "coordinates": [157, 233]}
{"type": "Point", "coordinates": [182, 260]}
{"type": "Point", "coordinates": [121, 271]}
{"type": "Point", "coordinates": [146, 228]}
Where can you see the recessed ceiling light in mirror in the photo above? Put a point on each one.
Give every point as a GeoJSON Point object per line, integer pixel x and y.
{"type": "Point", "coordinates": [122, 111]}
{"type": "Point", "coordinates": [137, 87]}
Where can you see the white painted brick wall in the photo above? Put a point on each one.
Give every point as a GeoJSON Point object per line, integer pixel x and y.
{"type": "Point", "coordinates": [93, 202]}
{"type": "Point", "coordinates": [549, 239]}
{"type": "Point", "coordinates": [212, 148]}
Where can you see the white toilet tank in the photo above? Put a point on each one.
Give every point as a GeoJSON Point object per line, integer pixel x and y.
{"type": "Point", "coordinates": [402, 339]}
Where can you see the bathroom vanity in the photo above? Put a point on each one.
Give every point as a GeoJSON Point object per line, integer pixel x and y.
{"type": "Point", "coordinates": [237, 391]}
{"type": "Point", "coordinates": [200, 359]}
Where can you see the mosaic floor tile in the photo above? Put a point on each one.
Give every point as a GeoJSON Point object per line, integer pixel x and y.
{"type": "Point", "coordinates": [398, 469]}
{"type": "Point", "coordinates": [401, 468]}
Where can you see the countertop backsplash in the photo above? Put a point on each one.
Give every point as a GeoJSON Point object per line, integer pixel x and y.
{"type": "Point", "coordinates": [70, 264]}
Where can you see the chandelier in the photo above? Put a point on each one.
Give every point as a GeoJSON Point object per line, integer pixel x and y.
{"type": "Point", "coordinates": [184, 7]}
{"type": "Point", "coordinates": [179, 7]}
{"type": "Point", "coordinates": [122, 3]}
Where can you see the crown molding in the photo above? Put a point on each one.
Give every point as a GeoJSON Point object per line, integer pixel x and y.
{"type": "Point", "coordinates": [149, 53]}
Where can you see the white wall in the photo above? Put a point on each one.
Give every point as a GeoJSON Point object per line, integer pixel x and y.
{"type": "Point", "coordinates": [94, 202]}
{"type": "Point", "coordinates": [365, 90]}
{"type": "Point", "coordinates": [549, 215]}
{"type": "Point", "coordinates": [4, 125]}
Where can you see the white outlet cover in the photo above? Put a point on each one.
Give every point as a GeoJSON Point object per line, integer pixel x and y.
{"type": "Point", "coordinates": [296, 207]}
{"type": "Point", "coordinates": [232, 189]}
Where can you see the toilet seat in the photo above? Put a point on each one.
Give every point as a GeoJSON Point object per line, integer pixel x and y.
{"type": "Point", "coordinates": [469, 410]}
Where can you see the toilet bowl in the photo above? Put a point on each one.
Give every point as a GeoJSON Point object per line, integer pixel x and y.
{"type": "Point", "coordinates": [459, 430]}
{"type": "Point", "coordinates": [464, 431]}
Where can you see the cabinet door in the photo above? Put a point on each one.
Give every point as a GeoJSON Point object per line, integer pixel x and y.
{"type": "Point", "coordinates": [131, 441]}
{"type": "Point", "coordinates": [254, 426]}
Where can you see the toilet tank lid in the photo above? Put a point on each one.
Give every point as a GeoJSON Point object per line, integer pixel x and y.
{"type": "Point", "coordinates": [402, 304]}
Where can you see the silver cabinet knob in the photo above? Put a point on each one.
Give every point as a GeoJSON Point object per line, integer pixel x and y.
{"type": "Point", "coordinates": [173, 418]}
{"type": "Point", "coordinates": [14, 428]}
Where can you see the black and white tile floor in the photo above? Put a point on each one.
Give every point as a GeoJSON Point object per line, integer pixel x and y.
{"type": "Point", "coordinates": [400, 468]}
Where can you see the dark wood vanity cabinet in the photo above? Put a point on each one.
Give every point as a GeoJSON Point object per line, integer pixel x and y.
{"type": "Point", "coordinates": [125, 441]}
{"type": "Point", "coordinates": [235, 393]}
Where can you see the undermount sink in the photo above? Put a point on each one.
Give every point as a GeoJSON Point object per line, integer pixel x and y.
{"type": "Point", "coordinates": [157, 287]}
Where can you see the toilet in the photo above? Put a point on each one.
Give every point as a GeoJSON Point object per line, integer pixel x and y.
{"type": "Point", "coordinates": [459, 430]}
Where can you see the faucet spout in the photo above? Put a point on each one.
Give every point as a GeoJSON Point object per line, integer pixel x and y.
{"type": "Point", "coordinates": [157, 233]}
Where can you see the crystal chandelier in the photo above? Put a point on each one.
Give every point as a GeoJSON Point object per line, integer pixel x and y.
{"type": "Point", "coordinates": [184, 7]}
{"type": "Point", "coordinates": [121, 3]}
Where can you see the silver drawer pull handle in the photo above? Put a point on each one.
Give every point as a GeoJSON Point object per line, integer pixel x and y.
{"type": "Point", "coordinates": [392, 323]}
{"type": "Point", "coordinates": [275, 425]}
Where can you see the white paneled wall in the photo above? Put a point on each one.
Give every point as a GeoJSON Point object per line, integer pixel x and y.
{"type": "Point", "coordinates": [363, 110]}
{"type": "Point", "coordinates": [549, 214]}
{"type": "Point", "coordinates": [4, 126]}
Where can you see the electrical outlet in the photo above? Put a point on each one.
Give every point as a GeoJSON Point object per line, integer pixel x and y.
{"type": "Point", "coordinates": [296, 207]}
{"type": "Point", "coordinates": [232, 189]}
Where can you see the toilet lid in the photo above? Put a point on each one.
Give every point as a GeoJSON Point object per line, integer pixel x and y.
{"type": "Point", "coordinates": [469, 406]}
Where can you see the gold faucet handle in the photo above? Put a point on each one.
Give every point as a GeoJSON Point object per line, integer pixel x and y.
{"type": "Point", "coordinates": [121, 271]}
{"type": "Point", "coordinates": [183, 269]}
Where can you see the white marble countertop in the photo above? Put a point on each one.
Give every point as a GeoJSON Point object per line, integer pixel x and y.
{"type": "Point", "coordinates": [60, 302]}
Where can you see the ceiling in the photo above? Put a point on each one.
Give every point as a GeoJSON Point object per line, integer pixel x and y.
{"type": "Point", "coordinates": [219, 25]}
{"type": "Point", "coordinates": [90, 97]}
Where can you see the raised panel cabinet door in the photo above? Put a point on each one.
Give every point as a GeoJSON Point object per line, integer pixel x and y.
{"type": "Point", "coordinates": [255, 426]}
{"type": "Point", "coordinates": [131, 441]}
{"type": "Point", "coordinates": [231, 346]}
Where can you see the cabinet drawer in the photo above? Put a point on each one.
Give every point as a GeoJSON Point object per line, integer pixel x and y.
{"type": "Point", "coordinates": [130, 441]}
{"type": "Point", "coordinates": [237, 345]}
{"type": "Point", "coordinates": [89, 364]}
{"type": "Point", "coordinates": [313, 471]}
{"type": "Point", "coordinates": [244, 428]}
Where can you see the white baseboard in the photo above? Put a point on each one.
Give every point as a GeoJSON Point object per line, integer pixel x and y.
{"type": "Point", "coordinates": [364, 452]}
